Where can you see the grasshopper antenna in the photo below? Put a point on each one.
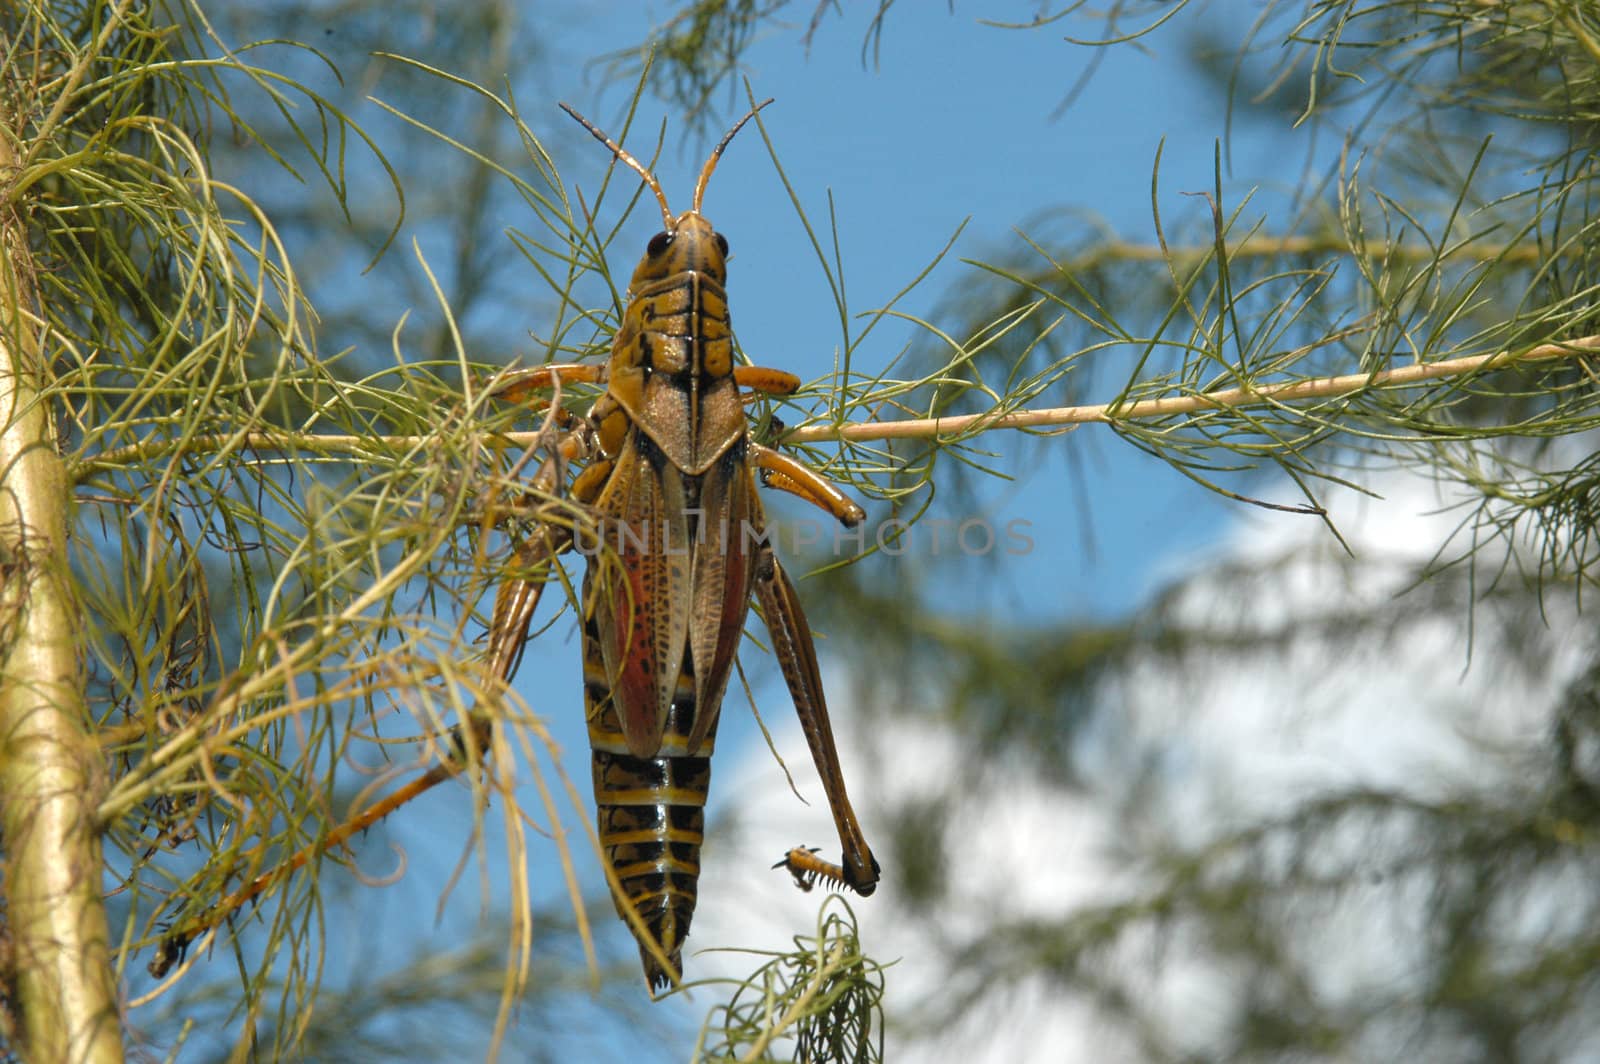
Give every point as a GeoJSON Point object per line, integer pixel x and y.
{"type": "Point", "coordinates": [649, 178]}
{"type": "Point", "coordinates": [716, 153]}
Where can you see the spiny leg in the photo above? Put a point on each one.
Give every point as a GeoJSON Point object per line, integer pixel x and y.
{"type": "Point", "coordinates": [792, 642]}
{"type": "Point", "coordinates": [807, 868]}
{"type": "Point", "coordinates": [797, 655]}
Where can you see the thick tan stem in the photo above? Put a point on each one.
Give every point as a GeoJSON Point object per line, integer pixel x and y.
{"type": "Point", "coordinates": [1227, 398]}
{"type": "Point", "coordinates": [63, 995]}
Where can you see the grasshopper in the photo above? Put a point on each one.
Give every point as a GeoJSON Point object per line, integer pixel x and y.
{"type": "Point", "coordinates": [670, 493]}
{"type": "Point", "coordinates": [671, 476]}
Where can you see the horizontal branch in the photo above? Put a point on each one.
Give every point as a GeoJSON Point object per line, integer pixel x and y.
{"type": "Point", "coordinates": [1109, 413]}
{"type": "Point", "coordinates": [347, 446]}
{"type": "Point", "coordinates": [278, 442]}
{"type": "Point", "coordinates": [1262, 246]}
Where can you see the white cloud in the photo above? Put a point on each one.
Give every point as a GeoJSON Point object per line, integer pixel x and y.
{"type": "Point", "coordinates": [1236, 737]}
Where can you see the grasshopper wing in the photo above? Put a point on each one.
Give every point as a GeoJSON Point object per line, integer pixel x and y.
{"type": "Point", "coordinates": [639, 586]}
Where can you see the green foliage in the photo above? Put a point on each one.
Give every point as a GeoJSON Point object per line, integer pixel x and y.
{"type": "Point", "coordinates": [278, 562]}
{"type": "Point", "coordinates": [700, 49]}
{"type": "Point", "coordinates": [821, 1002]}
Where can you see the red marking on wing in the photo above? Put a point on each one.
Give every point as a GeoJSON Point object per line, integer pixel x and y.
{"type": "Point", "coordinates": [641, 586]}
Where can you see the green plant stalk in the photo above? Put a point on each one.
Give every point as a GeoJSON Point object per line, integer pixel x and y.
{"type": "Point", "coordinates": [58, 974]}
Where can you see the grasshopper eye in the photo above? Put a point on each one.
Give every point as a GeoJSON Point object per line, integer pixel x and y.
{"type": "Point", "coordinates": [722, 244]}
{"type": "Point", "coordinates": [659, 243]}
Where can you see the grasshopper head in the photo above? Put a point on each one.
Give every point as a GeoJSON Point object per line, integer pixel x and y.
{"type": "Point", "coordinates": [689, 243]}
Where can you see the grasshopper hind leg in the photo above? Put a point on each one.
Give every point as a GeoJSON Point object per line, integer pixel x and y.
{"type": "Point", "coordinates": [797, 655]}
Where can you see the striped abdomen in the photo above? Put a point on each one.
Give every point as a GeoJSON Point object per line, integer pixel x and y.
{"type": "Point", "coordinates": [650, 810]}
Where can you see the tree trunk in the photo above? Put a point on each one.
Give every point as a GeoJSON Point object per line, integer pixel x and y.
{"type": "Point", "coordinates": [56, 967]}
